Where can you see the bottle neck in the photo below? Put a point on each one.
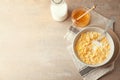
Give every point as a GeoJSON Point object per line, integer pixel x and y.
{"type": "Point", "coordinates": [57, 2]}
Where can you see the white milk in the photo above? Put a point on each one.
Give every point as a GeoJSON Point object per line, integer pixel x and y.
{"type": "Point", "coordinates": [59, 10]}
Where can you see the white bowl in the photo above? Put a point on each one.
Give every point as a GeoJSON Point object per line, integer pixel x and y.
{"type": "Point", "coordinates": [99, 30]}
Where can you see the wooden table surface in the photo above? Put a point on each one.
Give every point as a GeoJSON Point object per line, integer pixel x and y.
{"type": "Point", "coordinates": [32, 46]}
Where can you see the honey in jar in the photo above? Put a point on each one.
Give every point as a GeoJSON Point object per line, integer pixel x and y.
{"type": "Point", "coordinates": [82, 22]}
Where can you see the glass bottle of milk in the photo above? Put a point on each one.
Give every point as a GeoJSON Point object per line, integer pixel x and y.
{"type": "Point", "coordinates": [59, 10]}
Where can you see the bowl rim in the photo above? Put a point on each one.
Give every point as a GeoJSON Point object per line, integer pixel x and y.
{"type": "Point", "coordinates": [100, 29]}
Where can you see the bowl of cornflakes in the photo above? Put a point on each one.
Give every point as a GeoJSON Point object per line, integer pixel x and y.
{"type": "Point", "coordinates": [89, 53]}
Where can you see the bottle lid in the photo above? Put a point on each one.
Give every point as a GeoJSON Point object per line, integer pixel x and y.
{"type": "Point", "coordinates": [57, 1]}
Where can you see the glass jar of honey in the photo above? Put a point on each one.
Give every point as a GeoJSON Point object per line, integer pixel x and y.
{"type": "Point", "coordinates": [83, 21]}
